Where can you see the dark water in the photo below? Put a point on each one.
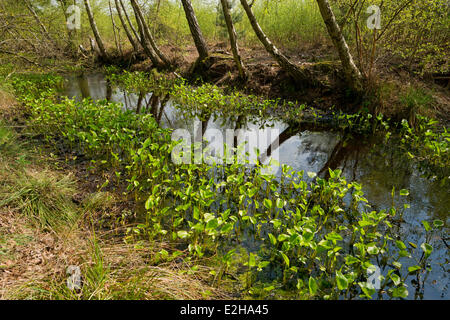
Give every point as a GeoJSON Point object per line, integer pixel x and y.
{"type": "Point", "coordinates": [377, 165]}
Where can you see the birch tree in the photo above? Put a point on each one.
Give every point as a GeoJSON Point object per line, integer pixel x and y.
{"type": "Point", "coordinates": [147, 34]}
{"type": "Point", "coordinates": [233, 39]}
{"type": "Point", "coordinates": [299, 75]}
{"type": "Point", "coordinates": [128, 33]}
{"type": "Point", "coordinates": [199, 40]}
{"type": "Point", "coordinates": [352, 74]}
{"type": "Point", "coordinates": [94, 28]}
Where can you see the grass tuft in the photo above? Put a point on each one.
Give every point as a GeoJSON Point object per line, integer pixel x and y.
{"type": "Point", "coordinates": [42, 196]}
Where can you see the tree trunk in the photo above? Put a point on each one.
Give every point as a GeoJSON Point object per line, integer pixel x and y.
{"type": "Point", "coordinates": [129, 21]}
{"type": "Point", "coordinates": [148, 49]}
{"type": "Point", "coordinates": [197, 35]}
{"type": "Point", "coordinates": [148, 33]}
{"type": "Point", "coordinates": [98, 39]}
{"type": "Point", "coordinates": [133, 41]}
{"type": "Point", "coordinates": [233, 39]}
{"type": "Point", "coordinates": [117, 42]}
{"type": "Point", "coordinates": [71, 33]}
{"type": "Point", "coordinates": [300, 76]}
{"type": "Point", "coordinates": [158, 5]}
{"type": "Point", "coordinates": [351, 72]}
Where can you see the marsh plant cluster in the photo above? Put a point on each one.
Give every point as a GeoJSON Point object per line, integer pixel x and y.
{"type": "Point", "coordinates": [297, 235]}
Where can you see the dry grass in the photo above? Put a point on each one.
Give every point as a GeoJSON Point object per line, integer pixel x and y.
{"type": "Point", "coordinates": [30, 255]}
{"type": "Point", "coordinates": [7, 104]}
{"type": "Point", "coordinates": [6, 100]}
{"type": "Point", "coordinates": [132, 272]}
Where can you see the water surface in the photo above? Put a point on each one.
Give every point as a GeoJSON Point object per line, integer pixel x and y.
{"type": "Point", "coordinates": [377, 165]}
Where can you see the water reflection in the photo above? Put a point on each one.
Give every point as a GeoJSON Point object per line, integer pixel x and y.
{"type": "Point", "coordinates": [377, 165]}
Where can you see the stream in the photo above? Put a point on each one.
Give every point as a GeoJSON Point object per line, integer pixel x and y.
{"type": "Point", "coordinates": [377, 165]}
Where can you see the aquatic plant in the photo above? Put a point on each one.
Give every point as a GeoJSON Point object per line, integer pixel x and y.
{"type": "Point", "coordinates": [313, 236]}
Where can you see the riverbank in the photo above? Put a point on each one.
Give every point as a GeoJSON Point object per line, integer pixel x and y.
{"type": "Point", "coordinates": [180, 207]}
{"type": "Point", "coordinates": [395, 92]}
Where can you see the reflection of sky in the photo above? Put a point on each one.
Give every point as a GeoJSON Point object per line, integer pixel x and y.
{"type": "Point", "coordinates": [308, 151]}
{"type": "Point", "coordinates": [378, 171]}
{"type": "Point", "coordinates": [95, 84]}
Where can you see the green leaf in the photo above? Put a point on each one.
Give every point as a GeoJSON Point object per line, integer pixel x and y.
{"type": "Point", "coordinates": [285, 258]}
{"type": "Point", "coordinates": [404, 192]}
{"type": "Point", "coordinates": [300, 284]}
{"type": "Point", "coordinates": [427, 248]}
{"type": "Point", "coordinates": [178, 221]}
{"type": "Point", "coordinates": [212, 224]}
{"type": "Point", "coordinates": [334, 236]}
{"type": "Point", "coordinates": [312, 286]}
{"type": "Point", "coordinates": [283, 237]}
{"type": "Point", "coordinates": [272, 239]}
{"type": "Point", "coordinates": [209, 217]}
{"type": "Point", "coordinates": [373, 249]}
{"type": "Point", "coordinates": [252, 260]}
{"type": "Point", "coordinates": [182, 234]}
{"type": "Point", "coordinates": [395, 278]}
{"type": "Point", "coordinates": [404, 253]}
{"type": "Point", "coordinates": [149, 203]}
{"type": "Point", "coordinates": [252, 192]}
{"type": "Point", "coordinates": [426, 225]}
{"type": "Point", "coordinates": [351, 260]}
{"type": "Point", "coordinates": [438, 223]}
{"type": "Point", "coordinates": [414, 269]}
{"type": "Point", "coordinates": [196, 214]}
{"type": "Point", "coordinates": [368, 291]}
{"type": "Point", "coordinates": [227, 228]}
{"type": "Point", "coordinates": [341, 280]}
{"type": "Point", "coordinates": [280, 203]}
{"type": "Point", "coordinates": [412, 244]}
{"type": "Point", "coordinates": [263, 264]}
{"type": "Point", "coordinates": [400, 292]}
{"type": "Point", "coordinates": [312, 175]}
{"type": "Point", "coordinates": [268, 203]}
{"type": "Point", "coordinates": [400, 245]}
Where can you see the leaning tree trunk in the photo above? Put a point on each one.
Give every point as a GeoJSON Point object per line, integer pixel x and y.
{"type": "Point", "coordinates": [116, 39]}
{"type": "Point", "coordinates": [129, 21]}
{"type": "Point", "coordinates": [300, 76]}
{"type": "Point", "coordinates": [197, 35]}
{"type": "Point", "coordinates": [233, 39]}
{"type": "Point", "coordinates": [145, 45]}
{"type": "Point", "coordinates": [351, 72]}
{"type": "Point", "coordinates": [71, 33]}
{"type": "Point", "coordinates": [133, 41]}
{"type": "Point", "coordinates": [98, 39]}
{"type": "Point", "coordinates": [147, 33]}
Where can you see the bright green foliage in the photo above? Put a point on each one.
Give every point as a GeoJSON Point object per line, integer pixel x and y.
{"type": "Point", "coordinates": [320, 237]}
{"type": "Point", "coordinates": [427, 145]}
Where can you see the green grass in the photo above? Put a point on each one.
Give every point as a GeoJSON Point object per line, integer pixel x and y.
{"type": "Point", "coordinates": [45, 198]}
{"type": "Point", "coordinates": [41, 195]}
{"type": "Point", "coordinates": [417, 99]}
{"type": "Point", "coordinates": [8, 142]}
